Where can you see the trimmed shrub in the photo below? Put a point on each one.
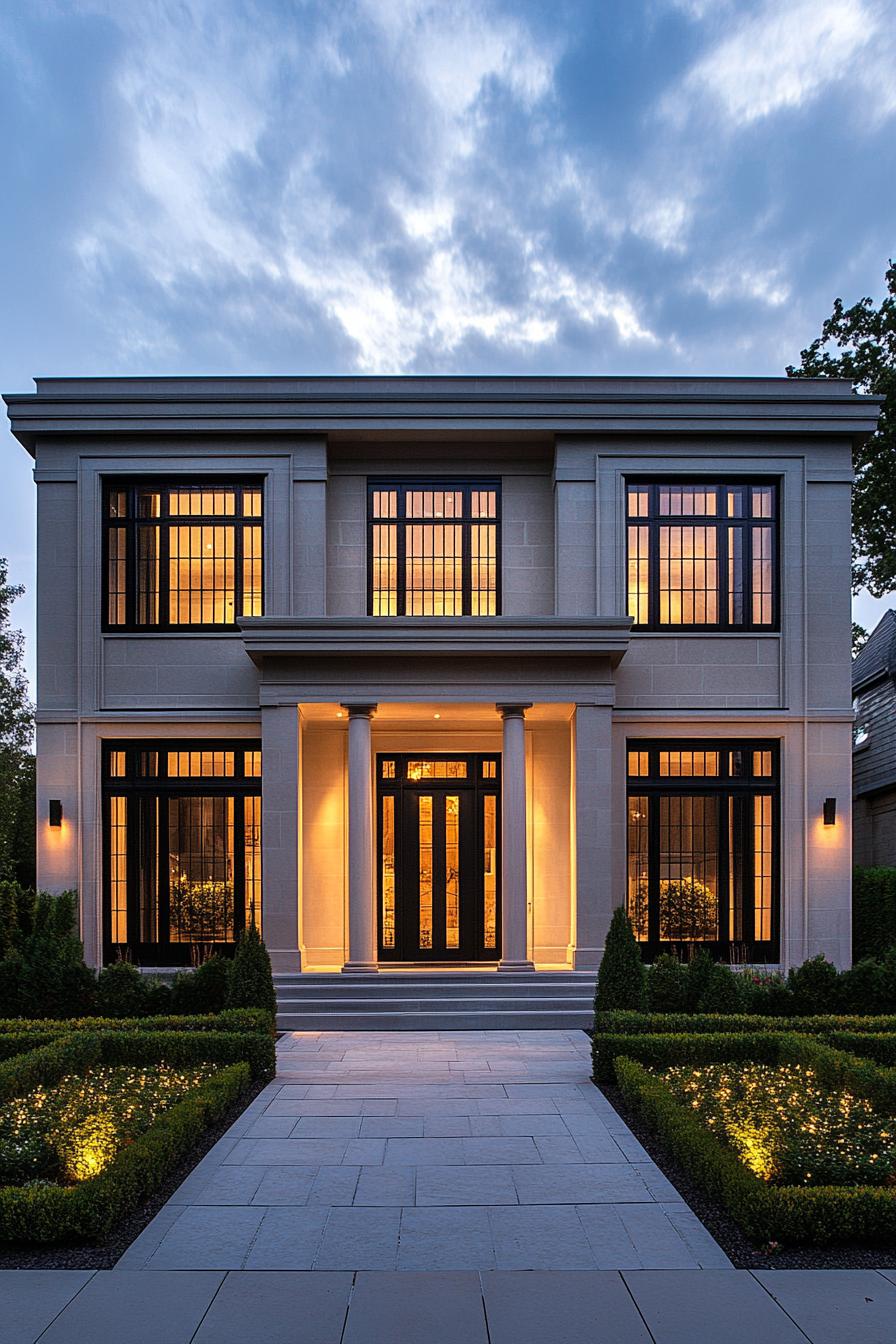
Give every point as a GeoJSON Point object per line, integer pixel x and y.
{"type": "Point", "coordinates": [766, 993]}
{"type": "Point", "coordinates": [86, 1211]}
{"type": "Point", "coordinates": [203, 990]}
{"type": "Point", "coordinates": [873, 911]}
{"type": "Point", "coordinates": [863, 988]}
{"type": "Point", "coordinates": [696, 1023]}
{"type": "Point", "coordinates": [251, 982]}
{"type": "Point", "coordinates": [666, 985]}
{"type": "Point", "coordinates": [54, 981]}
{"type": "Point", "coordinates": [232, 1019]}
{"type": "Point", "coordinates": [721, 992]}
{"type": "Point", "coordinates": [621, 977]}
{"type": "Point", "coordinates": [121, 991]}
{"type": "Point", "coordinates": [814, 985]}
{"type": "Point", "coordinates": [158, 995]}
{"type": "Point", "coordinates": [819, 1215]}
{"type": "Point", "coordinates": [699, 974]}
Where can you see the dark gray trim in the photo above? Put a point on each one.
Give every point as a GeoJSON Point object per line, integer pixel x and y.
{"type": "Point", "coordinates": [79, 406]}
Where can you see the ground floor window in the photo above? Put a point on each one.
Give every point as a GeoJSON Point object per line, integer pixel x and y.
{"type": "Point", "coordinates": [182, 848]}
{"type": "Point", "coordinates": [703, 844]}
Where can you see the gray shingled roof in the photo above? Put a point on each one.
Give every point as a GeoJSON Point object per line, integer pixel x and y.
{"type": "Point", "coordinates": [877, 658]}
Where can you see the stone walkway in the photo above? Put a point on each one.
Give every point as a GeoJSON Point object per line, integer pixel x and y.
{"type": "Point", "coordinates": [428, 1151]}
{"type": "Point", "coordinates": [469, 1188]}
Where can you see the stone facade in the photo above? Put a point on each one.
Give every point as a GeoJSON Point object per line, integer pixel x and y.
{"type": "Point", "coordinates": [563, 647]}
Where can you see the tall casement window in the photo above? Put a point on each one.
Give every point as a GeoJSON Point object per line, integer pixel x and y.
{"type": "Point", "coordinates": [434, 548]}
{"type": "Point", "coordinates": [182, 555]}
{"type": "Point", "coordinates": [703, 847]}
{"type": "Point", "coordinates": [182, 848]}
{"type": "Point", "coordinates": [702, 557]}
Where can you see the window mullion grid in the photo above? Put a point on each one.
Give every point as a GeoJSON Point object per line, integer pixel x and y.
{"type": "Point", "coordinates": [653, 870]}
{"type": "Point", "coordinates": [165, 525]}
{"type": "Point", "coordinates": [466, 541]}
{"type": "Point", "coordinates": [401, 577]}
{"type": "Point", "coordinates": [653, 558]}
{"type": "Point", "coordinates": [239, 861]}
{"type": "Point", "coordinates": [238, 575]}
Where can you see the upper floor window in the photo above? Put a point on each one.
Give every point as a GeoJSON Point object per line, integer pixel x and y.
{"type": "Point", "coordinates": [702, 556]}
{"type": "Point", "coordinates": [180, 555]}
{"type": "Point", "coordinates": [433, 548]}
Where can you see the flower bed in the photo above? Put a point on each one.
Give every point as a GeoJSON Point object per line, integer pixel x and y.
{"type": "Point", "coordinates": [109, 1114]}
{"type": "Point", "coordinates": [733, 1118]}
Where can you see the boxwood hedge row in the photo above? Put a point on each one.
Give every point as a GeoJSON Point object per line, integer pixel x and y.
{"type": "Point", "coordinates": [819, 1215]}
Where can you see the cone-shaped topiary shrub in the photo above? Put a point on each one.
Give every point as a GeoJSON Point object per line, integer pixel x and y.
{"type": "Point", "coordinates": [251, 982]}
{"type": "Point", "coordinates": [621, 978]}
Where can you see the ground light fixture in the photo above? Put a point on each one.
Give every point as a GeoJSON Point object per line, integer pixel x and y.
{"type": "Point", "coordinates": [829, 812]}
{"type": "Point", "coordinates": [55, 812]}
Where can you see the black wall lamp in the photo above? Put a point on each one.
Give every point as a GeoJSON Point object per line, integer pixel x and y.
{"type": "Point", "coordinates": [829, 812]}
{"type": "Point", "coordinates": [55, 812]}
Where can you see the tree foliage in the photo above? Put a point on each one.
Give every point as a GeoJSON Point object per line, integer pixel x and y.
{"type": "Point", "coordinates": [16, 728]}
{"type": "Point", "coordinates": [860, 343]}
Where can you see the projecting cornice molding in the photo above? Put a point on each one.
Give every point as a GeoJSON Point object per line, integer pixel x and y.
{"type": "Point", "coordinates": [461, 637]}
{"type": "Point", "coordinates": [359, 406]}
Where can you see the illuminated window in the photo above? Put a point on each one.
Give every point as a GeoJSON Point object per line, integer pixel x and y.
{"type": "Point", "coordinates": [702, 556]}
{"type": "Point", "coordinates": [702, 848]}
{"type": "Point", "coordinates": [182, 555]}
{"type": "Point", "coordinates": [437, 769]}
{"type": "Point", "coordinates": [433, 549]}
{"type": "Point", "coordinates": [489, 769]}
{"type": "Point", "coordinates": [182, 848]}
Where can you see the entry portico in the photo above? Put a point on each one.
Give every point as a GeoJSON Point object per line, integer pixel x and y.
{"type": "Point", "coordinates": [530, 700]}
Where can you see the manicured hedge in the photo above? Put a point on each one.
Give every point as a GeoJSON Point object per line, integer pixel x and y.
{"type": "Point", "coordinates": [873, 911]}
{"type": "Point", "coordinates": [819, 1215]}
{"type": "Point", "coordinates": [231, 1019]}
{"type": "Point", "coordinates": [87, 1211]}
{"type": "Point", "coordinates": [866, 1077]}
{"type": "Point", "coordinates": [738, 1022]}
{"type": "Point", "coordinates": [18, 1043]}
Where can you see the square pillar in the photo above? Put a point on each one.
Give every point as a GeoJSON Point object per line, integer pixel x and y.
{"type": "Point", "coordinates": [594, 897]}
{"type": "Point", "coordinates": [280, 836]}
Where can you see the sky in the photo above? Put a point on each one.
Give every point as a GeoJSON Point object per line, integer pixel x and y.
{"type": "Point", "coordinates": [433, 186]}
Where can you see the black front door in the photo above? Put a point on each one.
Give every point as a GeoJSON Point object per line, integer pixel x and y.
{"type": "Point", "coordinates": [438, 836]}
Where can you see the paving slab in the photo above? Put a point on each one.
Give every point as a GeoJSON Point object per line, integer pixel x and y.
{"type": "Point", "coordinates": [360, 1238]}
{"type": "Point", "coordinates": [684, 1306]}
{"type": "Point", "coordinates": [832, 1306]}
{"type": "Point", "coordinates": [277, 1308]}
{"type": "Point", "coordinates": [539, 1238]}
{"type": "Point", "coordinates": [132, 1307]}
{"type": "Point", "coordinates": [441, 1308]}
{"type": "Point", "coordinates": [287, 1238]}
{"type": "Point", "coordinates": [30, 1299]}
{"type": "Point", "coordinates": [208, 1238]}
{"type": "Point", "coordinates": [479, 1185]}
{"type": "Point", "coordinates": [445, 1239]}
{"type": "Point", "coordinates": [561, 1307]}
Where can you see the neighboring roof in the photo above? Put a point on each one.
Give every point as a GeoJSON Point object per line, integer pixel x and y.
{"type": "Point", "coordinates": [544, 405]}
{"type": "Point", "coordinates": [877, 656]}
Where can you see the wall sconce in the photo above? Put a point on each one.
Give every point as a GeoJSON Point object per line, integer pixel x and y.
{"type": "Point", "coordinates": [829, 812]}
{"type": "Point", "coordinates": [55, 812]}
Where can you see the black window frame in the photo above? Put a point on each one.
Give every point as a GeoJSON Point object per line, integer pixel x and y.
{"type": "Point", "coordinates": [404, 484]}
{"type": "Point", "coordinates": [724, 525]}
{"type": "Point", "coordinates": [748, 949]}
{"type": "Point", "coordinates": [132, 486]}
{"type": "Point", "coordinates": [135, 787]}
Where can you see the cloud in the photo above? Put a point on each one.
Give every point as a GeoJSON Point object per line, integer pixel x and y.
{"type": "Point", "coordinates": [787, 55]}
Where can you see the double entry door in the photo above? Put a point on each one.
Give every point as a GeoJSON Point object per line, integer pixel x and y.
{"type": "Point", "coordinates": [438, 843]}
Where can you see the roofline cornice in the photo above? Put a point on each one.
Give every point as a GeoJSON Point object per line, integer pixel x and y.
{"type": "Point", "coordinates": [142, 406]}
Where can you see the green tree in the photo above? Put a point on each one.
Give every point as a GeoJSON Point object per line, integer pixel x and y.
{"type": "Point", "coordinates": [16, 729]}
{"type": "Point", "coordinates": [860, 343]}
{"type": "Point", "coordinates": [621, 979]}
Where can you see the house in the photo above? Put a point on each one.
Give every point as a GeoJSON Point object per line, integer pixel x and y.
{"type": "Point", "coordinates": [437, 671]}
{"type": "Point", "coordinates": [874, 748]}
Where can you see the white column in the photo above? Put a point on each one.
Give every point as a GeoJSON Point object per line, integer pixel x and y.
{"type": "Point", "coordinates": [362, 953]}
{"type": "Point", "coordinates": [514, 867]}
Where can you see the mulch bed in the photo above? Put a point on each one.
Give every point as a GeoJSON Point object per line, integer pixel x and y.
{"type": "Point", "coordinates": [743, 1253]}
{"type": "Point", "coordinates": [28, 1256]}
